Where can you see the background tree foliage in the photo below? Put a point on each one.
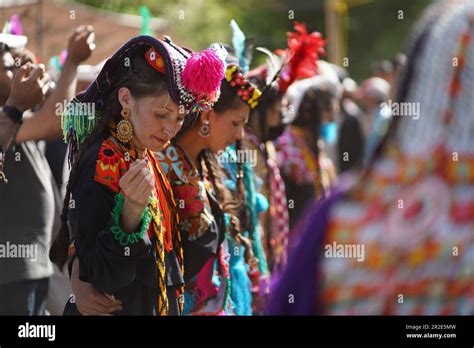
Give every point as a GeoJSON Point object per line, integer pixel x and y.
{"type": "Point", "coordinates": [375, 30]}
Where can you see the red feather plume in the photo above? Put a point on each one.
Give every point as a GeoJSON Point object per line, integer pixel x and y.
{"type": "Point", "coordinates": [303, 52]}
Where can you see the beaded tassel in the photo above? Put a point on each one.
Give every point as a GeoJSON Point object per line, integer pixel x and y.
{"type": "Point", "coordinates": [78, 121]}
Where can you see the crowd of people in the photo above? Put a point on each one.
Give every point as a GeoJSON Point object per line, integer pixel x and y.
{"type": "Point", "coordinates": [191, 184]}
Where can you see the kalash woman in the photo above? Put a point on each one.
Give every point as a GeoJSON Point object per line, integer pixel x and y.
{"type": "Point", "coordinates": [119, 203]}
{"type": "Point", "coordinates": [264, 127]}
{"type": "Point", "coordinates": [306, 168]}
{"type": "Point", "coordinates": [307, 108]}
{"type": "Point", "coordinates": [209, 213]}
{"type": "Point", "coordinates": [282, 70]}
{"type": "Point", "coordinates": [249, 274]}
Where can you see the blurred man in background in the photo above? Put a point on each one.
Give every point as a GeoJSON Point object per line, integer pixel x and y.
{"type": "Point", "coordinates": [28, 202]}
{"type": "Point", "coordinates": [370, 96]}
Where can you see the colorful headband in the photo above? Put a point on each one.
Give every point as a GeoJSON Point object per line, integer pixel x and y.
{"type": "Point", "coordinates": [245, 90]}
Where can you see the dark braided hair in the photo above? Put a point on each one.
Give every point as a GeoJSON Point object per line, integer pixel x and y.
{"type": "Point", "coordinates": [244, 214]}
{"type": "Point", "coordinates": [142, 80]}
{"type": "Point", "coordinates": [227, 201]}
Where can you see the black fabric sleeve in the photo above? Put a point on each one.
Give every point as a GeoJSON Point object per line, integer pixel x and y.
{"type": "Point", "coordinates": [103, 261]}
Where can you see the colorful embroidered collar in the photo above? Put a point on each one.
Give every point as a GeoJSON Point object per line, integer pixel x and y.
{"type": "Point", "coordinates": [190, 189]}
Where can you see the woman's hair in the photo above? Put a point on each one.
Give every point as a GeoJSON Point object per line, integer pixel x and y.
{"type": "Point", "coordinates": [142, 80]}
{"type": "Point", "coordinates": [316, 100]}
{"type": "Point", "coordinates": [229, 203]}
{"type": "Point", "coordinates": [229, 99]}
{"type": "Point", "coordinates": [258, 118]}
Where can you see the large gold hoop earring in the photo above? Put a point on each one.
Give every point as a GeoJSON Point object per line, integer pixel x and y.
{"type": "Point", "coordinates": [124, 129]}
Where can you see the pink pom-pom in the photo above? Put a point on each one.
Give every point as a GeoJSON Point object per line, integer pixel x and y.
{"type": "Point", "coordinates": [203, 73]}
